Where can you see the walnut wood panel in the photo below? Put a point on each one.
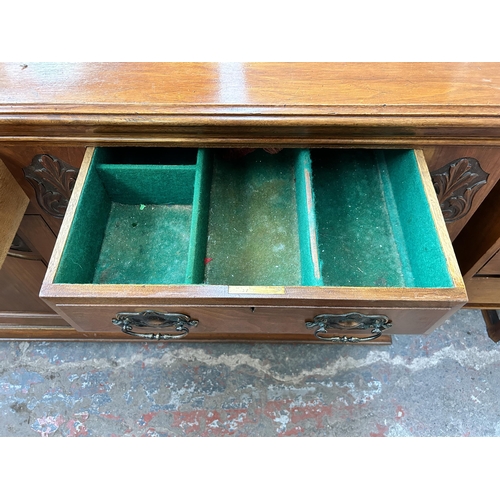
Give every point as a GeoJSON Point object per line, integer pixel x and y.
{"type": "Point", "coordinates": [22, 275]}
{"type": "Point", "coordinates": [12, 320]}
{"type": "Point", "coordinates": [475, 246]}
{"type": "Point", "coordinates": [489, 161]}
{"type": "Point", "coordinates": [480, 238]}
{"type": "Point", "coordinates": [13, 203]}
{"type": "Point", "coordinates": [19, 286]}
{"type": "Point", "coordinates": [484, 292]}
{"type": "Point", "coordinates": [492, 267]}
{"type": "Point", "coordinates": [38, 235]}
{"type": "Point", "coordinates": [250, 320]}
{"type": "Point", "coordinates": [18, 157]}
{"type": "Point", "coordinates": [252, 104]}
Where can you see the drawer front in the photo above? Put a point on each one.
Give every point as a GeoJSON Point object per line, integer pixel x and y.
{"type": "Point", "coordinates": [254, 320]}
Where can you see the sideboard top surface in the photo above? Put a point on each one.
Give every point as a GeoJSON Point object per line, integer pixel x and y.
{"type": "Point", "coordinates": [231, 104]}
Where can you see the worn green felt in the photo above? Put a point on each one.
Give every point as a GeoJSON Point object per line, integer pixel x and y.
{"type": "Point", "coordinates": [356, 242]}
{"type": "Point", "coordinates": [307, 219]}
{"type": "Point", "coordinates": [423, 248]}
{"type": "Point", "coordinates": [367, 234]}
{"type": "Point", "coordinates": [151, 184]}
{"type": "Point", "coordinates": [145, 246]}
{"type": "Point", "coordinates": [199, 224]}
{"type": "Point", "coordinates": [253, 225]}
{"type": "Point", "coordinates": [250, 222]}
{"type": "Point", "coordinates": [134, 223]}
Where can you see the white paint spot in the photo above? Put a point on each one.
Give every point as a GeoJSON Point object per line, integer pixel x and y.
{"type": "Point", "coordinates": [397, 430]}
{"type": "Point", "coordinates": [283, 420]}
{"type": "Point", "coordinates": [233, 424]}
{"type": "Point", "coordinates": [363, 396]}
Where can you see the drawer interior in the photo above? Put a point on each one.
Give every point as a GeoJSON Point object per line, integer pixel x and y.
{"type": "Point", "coordinates": [320, 217]}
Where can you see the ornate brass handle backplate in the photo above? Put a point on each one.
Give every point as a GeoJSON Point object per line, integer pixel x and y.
{"type": "Point", "coordinates": [153, 319]}
{"type": "Point", "coordinates": [349, 321]}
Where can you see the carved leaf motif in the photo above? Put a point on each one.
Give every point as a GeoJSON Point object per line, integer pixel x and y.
{"type": "Point", "coordinates": [456, 184]}
{"type": "Point", "coordinates": [53, 181]}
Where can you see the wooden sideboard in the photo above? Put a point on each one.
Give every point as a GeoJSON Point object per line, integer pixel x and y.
{"type": "Point", "coordinates": [51, 112]}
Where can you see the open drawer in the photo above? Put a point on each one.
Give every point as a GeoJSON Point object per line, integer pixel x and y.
{"type": "Point", "coordinates": [330, 244]}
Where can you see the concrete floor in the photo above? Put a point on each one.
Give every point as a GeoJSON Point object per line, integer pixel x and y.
{"type": "Point", "coordinates": [445, 384]}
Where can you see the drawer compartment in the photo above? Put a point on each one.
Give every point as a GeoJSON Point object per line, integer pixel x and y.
{"type": "Point", "coordinates": [160, 228]}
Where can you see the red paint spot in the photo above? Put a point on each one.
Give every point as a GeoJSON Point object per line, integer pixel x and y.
{"type": "Point", "coordinates": [76, 428]}
{"type": "Point", "coordinates": [109, 416]}
{"type": "Point", "coordinates": [208, 259]}
{"type": "Point", "coordinates": [311, 411]}
{"type": "Point", "coordinates": [296, 431]}
{"type": "Point", "coordinates": [147, 417]}
{"type": "Point", "coordinates": [381, 431]}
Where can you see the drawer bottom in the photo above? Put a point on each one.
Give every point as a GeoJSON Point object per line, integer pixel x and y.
{"type": "Point", "coordinates": [66, 334]}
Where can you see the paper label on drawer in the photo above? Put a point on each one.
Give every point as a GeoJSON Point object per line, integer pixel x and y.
{"type": "Point", "coordinates": [257, 290]}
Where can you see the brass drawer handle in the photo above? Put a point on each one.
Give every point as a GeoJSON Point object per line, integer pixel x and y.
{"type": "Point", "coordinates": [153, 319]}
{"type": "Point", "coordinates": [349, 321]}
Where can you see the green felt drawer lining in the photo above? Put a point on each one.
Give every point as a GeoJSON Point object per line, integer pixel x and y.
{"type": "Point", "coordinates": [321, 217]}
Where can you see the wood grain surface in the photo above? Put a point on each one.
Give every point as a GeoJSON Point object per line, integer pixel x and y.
{"type": "Point", "coordinates": [491, 268]}
{"type": "Point", "coordinates": [20, 156]}
{"type": "Point", "coordinates": [253, 104]}
{"type": "Point", "coordinates": [13, 203]}
{"type": "Point", "coordinates": [255, 320]}
{"type": "Point", "coordinates": [480, 238]}
{"type": "Point", "coordinates": [484, 292]}
{"type": "Point", "coordinates": [488, 158]}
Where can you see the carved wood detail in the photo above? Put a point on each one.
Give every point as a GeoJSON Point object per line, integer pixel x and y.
{"type": "Point", "coordinates": [53, 181]}
{"type": "Point", "coordinates": [456, 184]}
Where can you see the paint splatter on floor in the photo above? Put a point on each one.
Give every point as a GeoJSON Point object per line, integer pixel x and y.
{"type": "Point", "coordinates": [444, 384]}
